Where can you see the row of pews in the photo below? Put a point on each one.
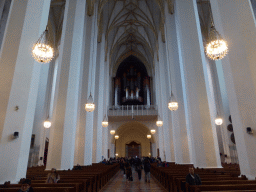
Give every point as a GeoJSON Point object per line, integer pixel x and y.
{"type": "Point", "coordinates": [173, 179]}
{"type": "Point", "coordinates": [88, 179]}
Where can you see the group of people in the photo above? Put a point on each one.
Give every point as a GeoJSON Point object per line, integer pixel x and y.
{"type": "Point", "coordinates": [137, 164]}
{"type": "Point", "coordinates": [52, 177]}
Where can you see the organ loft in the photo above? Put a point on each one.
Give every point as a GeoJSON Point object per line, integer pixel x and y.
{"type": "Point", "coordinates": [173, 79]}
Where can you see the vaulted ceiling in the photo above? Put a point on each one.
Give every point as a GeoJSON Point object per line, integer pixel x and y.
{"type": "Point", "coordinates": [129, 27]}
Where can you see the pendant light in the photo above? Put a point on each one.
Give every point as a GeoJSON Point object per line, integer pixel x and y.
{"type": "Point", "coordinates": [90, 106]}
{"type": "Point", "coordinates": [42, 50]}
{"type": "Point", "coordinates": [159, 123]}
{"type": "Point", "coordinates": [216, 47]}
{"type": "Point", "coordinates": [173, 104]}
{"type": "Point", "coordinates": [218, 120]}
{"type": "Point", "coordinates": [47, 124]}
{"type": "Point", "coordinates": [105, 122]}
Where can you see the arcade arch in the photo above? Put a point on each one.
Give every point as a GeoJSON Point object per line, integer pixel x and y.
{"type": "Point", "coordinates": [133, 132]}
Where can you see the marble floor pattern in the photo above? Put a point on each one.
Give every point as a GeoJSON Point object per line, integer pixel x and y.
{"type": "Point", "coordinates": [120, 184]}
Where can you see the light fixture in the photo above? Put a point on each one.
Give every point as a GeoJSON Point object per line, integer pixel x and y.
{"type": "Point", "coordinates": [116, 136]}
{"type": "Point", "coordinates": [89, 106]}
{"type": "Point", "coordinates": [159, 123]}
{"type": "Point", "coordinates": [173, 104]}
{"type": "Point", "coordinates": [149, 136]}
{"type": "Point", "coordinates": [216, 47]}
{"type": "Point", "coordinates": [42, 51]}
{"type": "Point", "coordinates": [218, 121]}
{"type": "Point", "coordinates": [116, 154]}
{"type": "Point", "coordinates": [112, 132]}
{"type": "Point", "coordinates": [152, 131]}
{"type": "Point", "coordinates": [105, 122]}
{"type": "Point", "coordinates": [47, 124]}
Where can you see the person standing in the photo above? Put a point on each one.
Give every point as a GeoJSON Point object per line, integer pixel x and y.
{"type": "Point", "coordinates": [138, 168]}
{"type": "Point", "coordinates": [147, 170]}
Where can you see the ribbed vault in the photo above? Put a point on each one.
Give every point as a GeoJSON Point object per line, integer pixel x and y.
{"type": "Point", "coordinates": [131, 27]}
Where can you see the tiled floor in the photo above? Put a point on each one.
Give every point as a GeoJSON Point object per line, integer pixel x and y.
{"type": "Point", "coordinates": [120, 184]}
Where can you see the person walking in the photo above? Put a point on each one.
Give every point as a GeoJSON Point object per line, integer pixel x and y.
{"type": "Point", "coordinates": [147, 170]}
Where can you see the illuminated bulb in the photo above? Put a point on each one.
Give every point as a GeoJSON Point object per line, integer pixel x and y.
{"type": "Point", "coordinates": [105, 122]}
{"type": "Point", "coordinates": [47, 124]}
{"type": "Point", "coordinates": [112, 132]}
{"type": "Point", "coordinates": [149, 136]}
{"type": "Point", "coordinates": [89, 106]}
{"type": "Point", "coordinates": [159, 123]}
{"type": "Point", "coordinates": [218, 121]}
{"type": "Point", "coordinates": [153, 131]}
{"type": "Point", "coordinates": [116, 137]}
{"type": "Point", "coordinates": [173, 104]}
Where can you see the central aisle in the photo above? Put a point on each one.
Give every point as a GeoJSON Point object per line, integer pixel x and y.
{"type": "Point", "coordinates": [120, 184]}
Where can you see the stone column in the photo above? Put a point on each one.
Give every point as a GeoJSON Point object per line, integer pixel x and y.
{"type": "Point", "coordinates": [100, 111]}
{"type": "Point", "coordinates": [203, 144]}
{"type": "Point", "coordinates": [158, 103]}
{"type": "Point", "coordinates": [19, 76]}
{"type": "Point", "coordinates": [62, 135]}
{"type": "Point", "coordinates": [180, 137]}
{"type": "Point", "coordinates": [91, 63]}
{"type": "Point", "coordinates": [235, 21]}
{"type": "Point", "coordinates": [164, 92]}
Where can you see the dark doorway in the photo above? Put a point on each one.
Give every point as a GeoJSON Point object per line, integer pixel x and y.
{"type": "Point", "coordinates": [46, 151]}
{"type": "Point", "coordinates": [133, 149]}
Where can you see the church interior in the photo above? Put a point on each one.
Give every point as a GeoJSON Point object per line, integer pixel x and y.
{"type": "Point", "coordinates": [172, 79]}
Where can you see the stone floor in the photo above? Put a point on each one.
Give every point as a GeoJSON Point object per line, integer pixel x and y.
{"type": "Point", "coordinates": [120, 184]}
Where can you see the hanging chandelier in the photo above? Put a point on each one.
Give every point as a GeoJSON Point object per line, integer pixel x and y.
{"type": "Point", "coordinates": [159, 123]}
{"type": "Point", "coordinates": [112, 132]}
{"type": "Point", "coordinates": [42, 51]}
{"type": "Point", "coordinates": [89, 106]}
{"type": "Point", "coordinates": [149, 136]}
{"type": "Point", "coordinates": [216, 48]}
{"type": "Point", "coordinates": [105, 122]}
{"type": "Point", "coordinates": [218, 120]}
{"type": "Point", "coordinates": [173, 104]}
{"type": "Point", "coordinates": [47, 124]}
{"type": "Point", "coordinates": [116, 136]}
{"type": "Point", "coordinates": [152, 131]}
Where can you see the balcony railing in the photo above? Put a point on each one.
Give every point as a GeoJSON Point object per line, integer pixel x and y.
{"type": "Point", "coordinates": [132, 110]}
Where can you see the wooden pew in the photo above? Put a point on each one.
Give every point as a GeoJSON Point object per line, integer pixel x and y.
{"type": "Point", "coordinates": [42, 189]}
{"type": "Point", "coordinates": [229, 187]}
{"type": "Point", "coordinates": [48, 185]}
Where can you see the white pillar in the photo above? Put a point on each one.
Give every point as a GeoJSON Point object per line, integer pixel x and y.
{"type": "Point", "coordinates": [91, 63]}
{"type": "Point", "coordinates": [164, 96]}
{"type": "Point", "coordinates": [240, 74]}
{"type": "Point", "coordinates": [180, 137]}
{"type": "Point", "coordinates": [62, 135]}
{"type": "Point", "coordinates": [158, 102]}
{"type": "Point", "coordinates": [100, 111]}
{"type": "Point", "coordinates": [203, 143]}
{"type": "Point", "coordinates": [19, 75]}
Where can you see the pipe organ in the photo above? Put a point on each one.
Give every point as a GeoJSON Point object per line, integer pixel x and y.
{"type": "Point", "coordinates": [131, 88]}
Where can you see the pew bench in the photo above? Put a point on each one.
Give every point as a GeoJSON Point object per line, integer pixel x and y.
{"type": "Point", "coordinates": [42, 189]}
{"type": "Point", "coordinates": [230, 187]}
